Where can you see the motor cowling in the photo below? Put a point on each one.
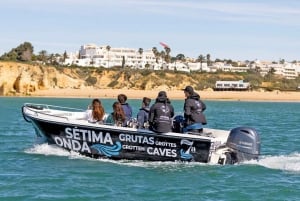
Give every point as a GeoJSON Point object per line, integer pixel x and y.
{"type": "Point", "coordinates": [244, 143]}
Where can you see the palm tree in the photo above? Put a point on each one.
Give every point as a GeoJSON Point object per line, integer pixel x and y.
{"type": "Point", "coordinates": [161, 55]}
{"type": "Point", "coordinates": [208, 59]}
{"type": "Point", "coordinates": [65, 56]}
{"type": "Point", "coordinates": [140, 52]}
{"type": "Point", "coordinates": [167, 57]}
{"type": "Point", "coordinates": [43, 56]}
{"type": "Point", "coordinates": [155, 52]}
{"type": "Point", "coordinates": [180, 57]}
{"type": "Point", "coordinates": [108, 49]}
{"type": "Point", "coordinates": [201, 59]}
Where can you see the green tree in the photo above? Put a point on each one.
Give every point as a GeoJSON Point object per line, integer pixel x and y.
{"type": "Point", "coordinates": [23, 52]}
{"type": "Point", "coordinates": [270, 75]}
{"type": "Point", "coordinates": [180, 57]}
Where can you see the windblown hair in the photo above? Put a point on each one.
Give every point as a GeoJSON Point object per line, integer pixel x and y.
{"type": "Point", "coordinates": [97, 110]}
{"type": "Point", "coordinates": [118, 113]}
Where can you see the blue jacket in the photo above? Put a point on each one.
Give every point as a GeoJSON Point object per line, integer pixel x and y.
{"type": "Point", "coordinates": [143, 116]}
{"type": "Point", "coordinates": [128, 111]}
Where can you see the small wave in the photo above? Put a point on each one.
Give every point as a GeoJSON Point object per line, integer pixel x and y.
{"type": "Point", "coordinates": [289, 162]}
{"type": "Point", "coordinates": [282, 162]}
{"type": "Point", "coordinates": [46, 149]}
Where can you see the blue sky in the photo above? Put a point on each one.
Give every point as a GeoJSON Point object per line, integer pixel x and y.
{"type": "Point", "coordinates": [236, 29]}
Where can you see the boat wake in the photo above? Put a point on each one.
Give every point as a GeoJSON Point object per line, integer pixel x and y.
{"type": "Point", "coordinates": [46, 149]}
{"type": "Point", "coordinates": [289, 162]}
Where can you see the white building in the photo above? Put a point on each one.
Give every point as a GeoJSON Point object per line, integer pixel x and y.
{"type": "Point", "coordinates": [97, 56]}
{"type": "Point", "coordinates": [101, 56]}
{"type": "Point", "coordinates": [232, 85]}
{"type": "Point", "coordinates": [229, 68]}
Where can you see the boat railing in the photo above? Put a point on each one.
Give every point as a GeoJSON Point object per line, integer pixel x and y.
{"type": "Point", "coordinates": [51, 110]}
{"type": "Point", "coordinates": [46, 106]}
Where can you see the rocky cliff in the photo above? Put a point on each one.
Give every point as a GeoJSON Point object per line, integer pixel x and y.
{"type": "Point", "coordinates": [22, 79]}
{"type": "Point", "coordinates": [19, 79]}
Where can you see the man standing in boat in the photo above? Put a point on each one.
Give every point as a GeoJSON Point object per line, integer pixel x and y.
{"type": "Point", "coordinates": [193, 111]}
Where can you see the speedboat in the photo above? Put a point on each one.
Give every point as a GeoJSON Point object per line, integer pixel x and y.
{"type": "Point", "coordinates": [67, 128]}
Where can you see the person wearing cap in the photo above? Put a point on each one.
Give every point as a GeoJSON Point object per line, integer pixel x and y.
{"type": "Point", "coordinates": [143, 114]}
{"type": "Point", "coordinates": [161, 113]}
{"type": "Point", "coordinates": [193, 111]}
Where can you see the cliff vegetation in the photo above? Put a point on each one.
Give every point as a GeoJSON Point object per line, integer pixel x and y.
{"type": "Point", "coordinates": [19, 78]}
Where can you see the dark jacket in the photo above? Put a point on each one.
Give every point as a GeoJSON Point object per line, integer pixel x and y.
{"type": "Point", "coordinates": [143, 116]}
{"type": "Point", "coordinates": [193, 110]}
{"type": "Point", "coordinates": [127, 110]}
{"type": "Point", "coordinates": [160, 116]}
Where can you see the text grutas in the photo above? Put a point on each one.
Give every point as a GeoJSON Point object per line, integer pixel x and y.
{"type": "Point", "coordinates": [80, 140]}
{"type": "Point", "coordinates": [161, 148]}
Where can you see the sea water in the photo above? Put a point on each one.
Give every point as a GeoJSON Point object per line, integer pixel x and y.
{"type": "Point", "coordinates": [42, 172]}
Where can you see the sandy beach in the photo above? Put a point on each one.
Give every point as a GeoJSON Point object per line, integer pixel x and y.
{"type": "Point", "coordinates": [174, 94]}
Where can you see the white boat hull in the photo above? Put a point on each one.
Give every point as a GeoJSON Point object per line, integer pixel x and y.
{"type": "Point", "coordinates": [67, 129]}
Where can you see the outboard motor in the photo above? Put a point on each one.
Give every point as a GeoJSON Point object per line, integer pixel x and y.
{"type": "Point", "coordinates": [245, 143]}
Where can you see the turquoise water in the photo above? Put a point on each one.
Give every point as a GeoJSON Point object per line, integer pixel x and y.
{"type": "Point", "coordinates": [42, 172]}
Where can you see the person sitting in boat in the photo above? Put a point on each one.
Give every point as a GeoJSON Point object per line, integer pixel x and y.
{"type": "Point", "coordinates": [95, 113]}
{"type": "Point", "coordinates": [122, 98]}
{"type": "Point", "coordinates": [161, 113]}
{"type": "Point", "coordinates": [117, 117]}
{"type": "Point", "coordinates": [143, 114]}
{"type": "Point", "coordinates": [193, 111]}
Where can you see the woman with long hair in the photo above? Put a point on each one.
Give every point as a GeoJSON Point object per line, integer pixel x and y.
{"type": "Point", "coordinates": [96, 112]}
{"type": "Point", "coordinates": [117, 117]}
{"type": "Point", "coordinates": [122, 98]}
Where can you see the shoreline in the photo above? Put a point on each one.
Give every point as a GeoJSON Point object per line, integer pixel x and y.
{"type": "Point", "coordinates": [275, 96]}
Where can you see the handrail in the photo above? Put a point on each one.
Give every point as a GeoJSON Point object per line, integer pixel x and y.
{"type": "Point", "coordinates": [39, 109]}
{"type": "Point", "coordinates": [46, 106]}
